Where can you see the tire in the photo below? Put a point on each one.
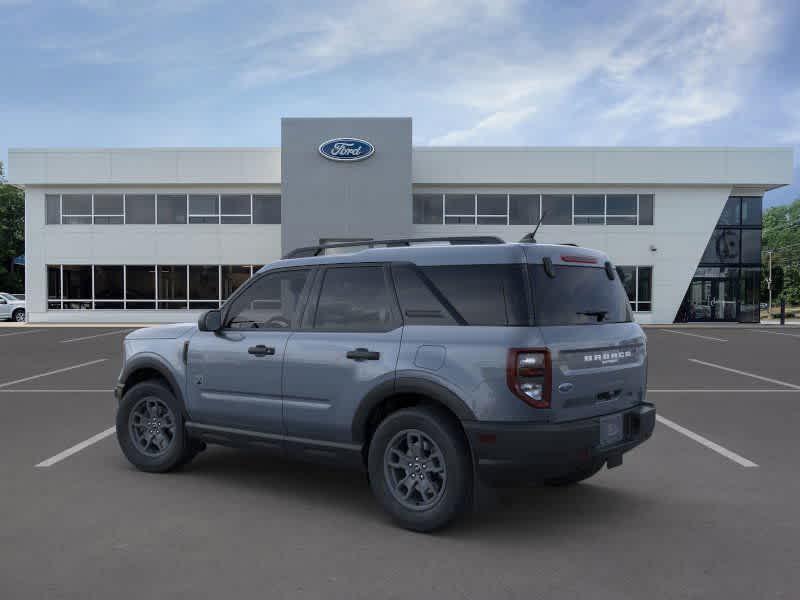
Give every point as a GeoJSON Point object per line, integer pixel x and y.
{"type": "Point", "coordinates": [433, 444]}
{"type": "Point", "coordinates": [575, 476]}
{"type": "Point", "coordinates": [150, 415]}
{"type": "Point", "coordinates": [18, 315]}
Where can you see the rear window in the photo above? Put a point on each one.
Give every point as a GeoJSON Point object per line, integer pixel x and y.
{"type": "Point", "coordinates": [578, 296]}
{"type": "Point", "coordinates": [490, 295]}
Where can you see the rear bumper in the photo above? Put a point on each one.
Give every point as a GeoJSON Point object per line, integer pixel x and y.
{"type": "Point", "coordinates": [526, 452]}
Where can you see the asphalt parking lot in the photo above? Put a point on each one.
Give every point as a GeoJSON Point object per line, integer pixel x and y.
{"type": "Point", "coordinates": [708, 508]}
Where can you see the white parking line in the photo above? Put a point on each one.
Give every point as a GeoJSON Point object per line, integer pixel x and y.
{"type": "Point", "coordinates": [22, 332]}
{"type": "Point", "coordinates": [84, 391]}
{"type": "Point", "coordinates": [697, 335]}
{"type": "Point", "coordinates": [774, 332]}
{"type": "Point", "coordinates": [745, 373]}
{"type": "Point", "coordinates": [718, 391]}
{"type": "Point", "coordinates": [24, 379]}
{"type": "Point", "coordinates": [91, 337]}
{"type": "Point", "coordinates": [740, 460]}
{"type": "Point", "coordinates": [77, 448]}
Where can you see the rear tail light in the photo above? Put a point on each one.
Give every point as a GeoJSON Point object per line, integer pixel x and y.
{"type": "Point", "coordinates": [528, 373]}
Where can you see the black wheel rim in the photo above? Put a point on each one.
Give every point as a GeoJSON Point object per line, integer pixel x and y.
{"type": "Point", "coordinates": [415, 470]}
{"type": "Point", "coordinates": [152, 426]}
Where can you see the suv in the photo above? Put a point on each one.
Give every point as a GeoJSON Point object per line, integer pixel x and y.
{"type": "Point", "coordinates": [12, 308]}
{"type": "Point", "coordinates": [433, 368]}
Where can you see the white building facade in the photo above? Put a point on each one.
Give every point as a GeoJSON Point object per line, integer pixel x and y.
{"type": "Point", "coordinates": [158, 235]}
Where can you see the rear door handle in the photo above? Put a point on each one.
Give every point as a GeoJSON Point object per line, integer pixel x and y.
{"type": "Point", "coordinates": [363, 354]}
{"type": "Point", "coordinates": [261, 350]}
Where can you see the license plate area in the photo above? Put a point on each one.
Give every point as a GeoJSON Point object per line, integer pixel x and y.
{"type": "Point", "coordinates": [611, 430]}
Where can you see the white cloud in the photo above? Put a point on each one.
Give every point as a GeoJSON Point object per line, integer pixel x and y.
{"type": "Point", "coordinates": [496, 122]}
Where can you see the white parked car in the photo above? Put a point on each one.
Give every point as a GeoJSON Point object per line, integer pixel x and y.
{"type": "Point", "coordinates": [12, 308]}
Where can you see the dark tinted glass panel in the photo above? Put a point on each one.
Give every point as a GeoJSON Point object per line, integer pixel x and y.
{"type": "Point", "coordinates": [627, 276]}
{"type": "Point", "coordinates": [203, 304]}
{"type": "Point", "coordinates": [645, 284]}
{"type": "Point", "coordinates": [492, 204]}
{"type": "Point", "coordinates": [583, 220]}
{"type": "Point", "coordinates": [235, 220]}
{"type": "Point", "coordinates": [138, 305]}
{"type": "Point", "coordinates": [482, 294]}
{"type": "Point", "coordinates": [620, 204]}
{"type": "Point", "coordinates": [232, 277]}
{"type": "Point", "coordinates": [427, 209]}
{"type": "Point", "coordinates": [54, 306]}
{"type": "Point", "coordinates": [491, 220]}
{"type": "Point", "coordinates": [77, 282]}
{"type": "Point", "coordinates": [267, 208]}
{"type": "Point", "coordinates": [53, 281]}
{"type": "Point", "coordinates": [644, 307]}
{"type": "Point", "coordinates": [646, 209]}
{"type": "Point", "coordinates": [236, 204]}
{"type": "Point", "coordinates": [557, 209]}
{"type": "Point", "coordinates": [53, 208]}
{"type": "Point", "coordinates": [108, 204]}
{"type": "Point", "coordinates": [355, 299]}
{"type": "Point", "coordinates": [418, 299]}
{"type": "Point", "coordinates": [578, 296]}
{"type": "Point", "coordinates": [459, 204]}
{"type": "Point", "coordinates": [204, 220]}
{"type": "Point", "coordinates": [749, 295]}
{"type": "Point", "coordinates": [108, 220]}
{"type": "Point", "coordinates": [751, 245]}
{"type": "Point", "coordinates": [140, 209]}
{"type": "Point", "coordinates": [523, 209]}
{"type": "Point", "coordinates": [76, 204]}
{"type": "Point", "coordinates": [589, 204]}
{"type": "Point", "coordinates": [86, 305]}
{"type": "Point", "coordinates": [140, 282]}
{"type": "Point", "coordinates": [171, 209]}
{"type": "Point", "coordinates": [106, 305]}
{"type": "Point", "coordinates": [172, 282]}
{"type": "Point", "coordinates": [723, 247]}
{"type": "Point", "coordinates": [271, 302]}
{"type": "Point", "coordinates": [73, 220]}
{"type": "Point", "coordinates": [751, 211]}
{"type": "Point", "coordinates": [203, 282]}
{"type": "Point", "coordinates": [731, 213]}
{"type": "Point", "coordinates": [203, 204]}
{"type": "Point", "coordinates": [108, 282]}
{"type": "Point", "coordinates": [612, 220]}
{"type": "Point", "coordinates": [171, 305]}
{"type": "Point", "coordinates": [459, 220]}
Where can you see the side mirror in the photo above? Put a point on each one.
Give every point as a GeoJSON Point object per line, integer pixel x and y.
{"type": "Point", "coordinates": [210, 320]}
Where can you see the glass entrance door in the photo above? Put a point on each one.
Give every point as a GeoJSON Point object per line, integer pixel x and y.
{"type": "Point", "coordinates": [711, 300]}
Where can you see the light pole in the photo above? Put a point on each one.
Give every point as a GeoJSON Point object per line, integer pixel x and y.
{"type": "Point", "coordinates": [769, 285]}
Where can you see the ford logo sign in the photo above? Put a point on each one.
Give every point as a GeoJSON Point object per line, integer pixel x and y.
{"type": "Point", "coordinates": [346, 149]}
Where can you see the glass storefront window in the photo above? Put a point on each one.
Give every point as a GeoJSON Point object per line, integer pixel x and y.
{"type": "Point", "coordinates": [730, 214]}
{"type": "Point", "coordinates": [749, 294]}
{"type": "Point", "coordinates": [723, 247]}
{"type": "Point", "coordinates": [751, 211]}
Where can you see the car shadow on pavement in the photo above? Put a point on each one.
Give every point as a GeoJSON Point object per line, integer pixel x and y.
{"type": "Point", "coordinates": [507, 512]}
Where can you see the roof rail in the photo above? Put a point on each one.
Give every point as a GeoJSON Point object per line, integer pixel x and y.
{"type": "Point", "coordinates": [307, 251]}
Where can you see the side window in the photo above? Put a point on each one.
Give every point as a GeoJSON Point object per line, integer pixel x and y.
{"type": "Point", "coordinates": [269, 303]}
{"type": "Point", "coordinates": [354, 299]}
{"type": "Point", "coordinates": [418, 301]}
{"type": "Point", "coordinates": [483, 294]}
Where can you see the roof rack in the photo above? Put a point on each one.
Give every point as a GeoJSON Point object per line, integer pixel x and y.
{"type": "Point", "coordinates": [307, 251]}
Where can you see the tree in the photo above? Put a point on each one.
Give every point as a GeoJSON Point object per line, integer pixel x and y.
{"type": "Point", "coordinates": [12, 235]}
{"type": "Point", "coordinates": [781, 235]}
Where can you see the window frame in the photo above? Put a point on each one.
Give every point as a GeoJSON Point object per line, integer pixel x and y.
{"type": "Point", "coordinates": [309, 317]}
{"type": "Point", "coordinates": [636, 301]}
{"type": "Point", "coordinates": [302, 303]}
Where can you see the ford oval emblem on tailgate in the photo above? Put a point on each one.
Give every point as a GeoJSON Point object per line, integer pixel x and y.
{"type": "Point", "coordinates": [565, 387]}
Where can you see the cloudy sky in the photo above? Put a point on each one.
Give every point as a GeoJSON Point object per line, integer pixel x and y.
{"type": "Point", "coordinates": [470, 72]}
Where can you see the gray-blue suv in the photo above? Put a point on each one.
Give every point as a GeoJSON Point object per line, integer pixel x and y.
{"type": "Point", "coordinates": [431, 366]}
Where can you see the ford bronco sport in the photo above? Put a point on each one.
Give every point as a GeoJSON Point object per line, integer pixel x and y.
{"type": "Point", "coordinates": [432, 367]}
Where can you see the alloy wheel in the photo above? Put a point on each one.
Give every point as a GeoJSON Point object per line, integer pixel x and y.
{"type": "Point", "coordinates": [415, 469]}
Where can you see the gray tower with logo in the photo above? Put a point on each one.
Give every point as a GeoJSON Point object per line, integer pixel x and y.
{"type": "Point", "coordinates": [327, 199]}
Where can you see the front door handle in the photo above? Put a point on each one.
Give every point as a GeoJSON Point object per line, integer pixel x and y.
{"type": "Point", "coordinates": [261, 350]}
{"type": "Point", "coordinates": [363, 354]}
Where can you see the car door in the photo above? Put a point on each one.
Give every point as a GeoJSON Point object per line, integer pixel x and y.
{"type": "Point", "coordinates": [5, 308]}
{"type": "Point", "coordinates": [235, 373]}
{"type": "Point", "coordinates": [347, 346]}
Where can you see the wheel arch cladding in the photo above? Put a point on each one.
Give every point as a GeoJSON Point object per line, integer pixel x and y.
{"type": "Point", "coordinates": [406, 392]}
{"type": "Point", "coordinates": [146, 368]}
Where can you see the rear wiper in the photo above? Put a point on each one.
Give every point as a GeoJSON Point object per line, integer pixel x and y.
{"type": "Point", "coordinates": [600, 314]}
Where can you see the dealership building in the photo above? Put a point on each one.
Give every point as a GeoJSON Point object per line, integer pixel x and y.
{"type": "Point", "coordinates": [159, 234]}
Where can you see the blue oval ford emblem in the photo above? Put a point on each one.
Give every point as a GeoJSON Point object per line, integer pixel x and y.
{"type": "Point", "coordinates": [346, 149]}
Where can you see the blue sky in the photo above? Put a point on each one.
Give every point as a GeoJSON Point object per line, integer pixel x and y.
{"type": "Point", "coordinates": [90, 73]}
